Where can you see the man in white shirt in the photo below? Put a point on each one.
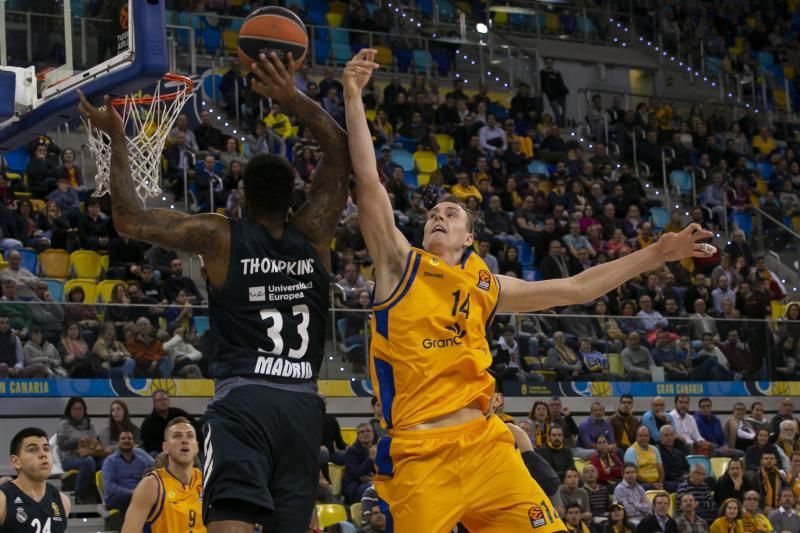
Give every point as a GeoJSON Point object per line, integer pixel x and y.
{"type": "Point", "coordinates": [492, 137]}
{"type": "Point", "coordinates": [685, 425]}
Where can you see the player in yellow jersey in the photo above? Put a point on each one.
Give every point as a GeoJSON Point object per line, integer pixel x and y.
{"type": "Point", "coordinates": [169, 499]}
{"type": "Point", "coordinates": [443, 460]}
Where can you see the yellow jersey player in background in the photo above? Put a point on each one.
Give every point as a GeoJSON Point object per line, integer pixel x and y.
{"type": "Point", "coordinates": [443, 460]}
{"type": "Point", "coordinates": [169, 499]}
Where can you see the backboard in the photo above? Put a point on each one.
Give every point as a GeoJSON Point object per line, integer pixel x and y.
{"type": "Point", "coordinates": [113, 47]}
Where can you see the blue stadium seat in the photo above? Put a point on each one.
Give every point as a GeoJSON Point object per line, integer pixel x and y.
{"type": "Point", "coordinates": [660, 217]}
{"type": "Point", "coordinates": [340, 36]}
{"type": "Point", "coordinates": [322, 50]}
{"type": "Point", "coordinates": [700, 459]}
{"type": "Point", "coordinates": [56, 288]}
{"type": "Point", "coordinates": [17, 160]}
{"type": "Point", "coordinates": [408, 143]}
{"type": "Point", "coordinates": [211, 85]}
{"type": "Point", "coordinates": [531, 274]}
{"type": "Point", "coordinates": [585, 25]}
{"type": "Point", "coordinates": [410, 179]}
{"type": "Point", "coordinates": [425, 7]}
{"type": "Point", "coordinates": [212, 39]}
{"type": "Point", "coordinates": [681, 180]}
{"type": "Point", "coordinates": [317, 18]}
{"type": "Point", "coordinates": [403, 158]}
{"type": "Point", "coordinates": [765, 169]}
{"type": "Point", "coordinates": [441, 159]}
{"type": "Point", "coordinates": [201, 324]}
{"type": "Point", "coordinates": [341, 53]}
{"type": "Point", "coordinates": [538, 168]}
{"type": "Point", "coordinates": [443, 62]}
{"type": "Point", "coordinates": [525, 253]}
{"type": "Point", "coordinates": [29, 260]}
{"type": "Point", "coordinates": [402, 57]}
{"type": "Point", "coordinates": [744, 222]}
{"type": "Point", "coordinates": [498, 111]}
{"type": "Point", "coordinates": [422, 60]}
{"type": "Point", "coordinates": [447, 11]}
{"type": "Point", "coordinates": [765, 59]}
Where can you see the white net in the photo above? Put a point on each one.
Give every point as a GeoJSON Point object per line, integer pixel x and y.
{"type": "Point", "coordinates": [148, 122]}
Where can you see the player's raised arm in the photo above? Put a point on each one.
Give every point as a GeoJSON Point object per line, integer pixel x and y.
{"type": "Point", "coordinates": [387, 246]}
{"type": "Point", "coordinates": [142, 502]}
{"type": "Point", "coordinates": [517, 296]}
{"type": "Point", "coordinates": [317, 218]}
{"type": "Point", "coordinates": [206, 234]}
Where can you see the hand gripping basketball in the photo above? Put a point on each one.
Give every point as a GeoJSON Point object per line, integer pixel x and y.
{"type": "Point", "coordinates": [104, 118]}
{"type": "Point", "coordinates": [273, 79]}
{"type": "Point", "coordinates": [359, 70]}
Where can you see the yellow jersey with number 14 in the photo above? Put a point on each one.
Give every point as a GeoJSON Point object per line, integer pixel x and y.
{"type": "Point", "coordinates": [428, 355]}
{"type": "Point", "coordinates": [178, 507]}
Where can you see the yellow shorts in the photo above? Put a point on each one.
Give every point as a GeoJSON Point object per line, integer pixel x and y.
{"type": "Point", "coordinates": [429, 480]}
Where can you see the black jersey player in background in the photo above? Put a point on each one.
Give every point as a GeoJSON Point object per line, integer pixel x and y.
{"type": "Point", "coordinates": [29, 504]}
{"type": "Point", "coordinates": [268, 298]}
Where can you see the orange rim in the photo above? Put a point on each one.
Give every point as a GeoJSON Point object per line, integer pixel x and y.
{"type": "Point", "coordinates": [168, 97]}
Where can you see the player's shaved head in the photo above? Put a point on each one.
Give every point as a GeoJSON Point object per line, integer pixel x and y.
{"type": "Point", "coordinates": [268, 186]}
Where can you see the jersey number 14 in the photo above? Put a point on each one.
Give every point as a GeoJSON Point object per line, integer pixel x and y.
{"type": "Point", "coordinates": [274, 332]}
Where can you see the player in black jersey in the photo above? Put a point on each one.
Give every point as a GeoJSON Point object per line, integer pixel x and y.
{"type": "Point", "coordinates": [268, 301]}
{"type": "Point", "coordinates": [29, 504]}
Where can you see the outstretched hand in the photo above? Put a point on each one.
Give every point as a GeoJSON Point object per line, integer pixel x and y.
{"type": "Point", "coordinates": [677, 246]}
{"type": "Point", "coordinates": [359, 70]}
{"type": "Point", "coordinates": [104, 118]}
{"type": "Point", "coordinates": [274, 79]}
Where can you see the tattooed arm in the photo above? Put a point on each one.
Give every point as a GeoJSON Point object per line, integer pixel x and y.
{"type": "Point", "coordinates": [317, 218]}
{"type": "Point", "coordinates": [207, 235]}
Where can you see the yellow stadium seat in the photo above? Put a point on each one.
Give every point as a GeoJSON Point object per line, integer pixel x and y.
{"type": "Point", "coordinates": [426, 162]}
{"type": "Point", "coordinates": [3, 264]}
{"type": "Point", "coordinates": [754, 200]}
{"type": "Point", "coordinates": [334, 19]}
{"type": "Point", "coordinates": [85, 264]}
{"type": "Point", "coordinates": [37, 204]}
{"type": "Point", "coordinates": [104, 260]}
{"type": "Point", "coordinates": [545, 186]}
{"type": "Point", "coordinates": [221, 211]}
{"type": "Point", "coordinates": [349, 435]}
{"type": "Point", "coordinates": [552, 23]}
{"type": "Point", "coordinates": [384, 56]}
{"type": "Point", "coordinates": [780, 97]}
{"type": "Point", "coordinates": [103, 510]}
{"type": "Point", "coordinates": [719, 465]}
{"type": "Point", "coordinates": [778, 309]}
{"type": "Point", "coordinates": [445, 142]}
{"type": "Point", "coordinates": [788, 72]}
{"type": "Point", "coordinates": [579, 464]}
{"type": "Point", "coordinates": [106, 288]}
{"type": "Point", "coordinates": [337, 7]}
{"type": "Point", "coordinates": [673, 504]}
{"type": "Point", "coordinates": [371, 113]}
{"type": "Point", "coordinates": [651, 494]}
{"type": "Point", "coordinates": [336, 474]}
{"type": "Point", "coordinates": [54, 263]}
{"type": "Point", "coordinates": [330, 514]}
{"type": "Point", "coordinates": [230, 39]}
{"type": "Point", "coordinates": [423, 179]}
{"type": "Point", "coordinates": [761, 186]}
{"type": "Point", "coordinates": [89, 287]}
{"type": "Point", "coordinates": [355, 513]}
{"type": "Point", "coordinates": [500, 19]}
{"type": "Point", "coordinates": [615, 364]}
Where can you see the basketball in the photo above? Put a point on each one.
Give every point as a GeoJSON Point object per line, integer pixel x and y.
{"type": "Point", "coordinates": [272, 29]}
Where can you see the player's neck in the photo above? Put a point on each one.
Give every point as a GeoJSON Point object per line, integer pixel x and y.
{"type": "Point", "coordinates": [182, 472]}
{"type": "Point", "coordinates": [34, 489]}
{"type": "Point", "coordinates": [274, 224]}
{"type": "Point", "coordinates": [448, 255]}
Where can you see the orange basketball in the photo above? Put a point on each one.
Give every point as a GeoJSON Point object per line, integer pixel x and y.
{"type": "Point", "coordinates": [272, 29]}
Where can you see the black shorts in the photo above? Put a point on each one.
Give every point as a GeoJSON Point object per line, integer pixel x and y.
{"type": "Point", "coordinates": [262, 457]}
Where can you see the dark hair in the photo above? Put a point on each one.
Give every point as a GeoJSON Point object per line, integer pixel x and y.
{"type": "Point", "coordinates": [22, 434]}
{"type": "Point", "coordinates": [630, 465]}
{"type": "Point", "coordinates": [75, 290]}
{"type": "Point", "coordinates": [626, 396]}
{"type": "Point", "coordinates": [126, 425]}
{"type": "Point", "coordinates": [556, 426]}
{"type": "Point", "coordinates": [174, 422]}
{"type": "Point", "coordinates": [460, 203]}
{"type": "Point", "coordinates": [91, 202]}
{"type": "Point", "coordinates": [72, 401]}
{"type": "Point", "coordinates": [268, 185]}
{"type": "Point", "coordinates": [573, 505]}
{"type": "Point", "coordinates": [533, 409]}
{"type": "Point", "coordinates": [679, 396]}
{"type": "Point", "coordinates": [704, 399]}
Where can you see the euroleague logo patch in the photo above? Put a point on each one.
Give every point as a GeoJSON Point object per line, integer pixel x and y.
{"type": "Point", "coordinates": [484, 280]}
{"type": "Point", "coordinates": [536, 515]}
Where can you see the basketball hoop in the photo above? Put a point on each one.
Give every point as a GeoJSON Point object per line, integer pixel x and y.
{"type": "Point", "coordinates": [147, 121]}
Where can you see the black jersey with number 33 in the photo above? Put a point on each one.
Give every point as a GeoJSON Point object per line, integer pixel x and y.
{"type": "Point", "coordinates": [268, 319]}
{"type": "Point", "coordinates": [25, 515]}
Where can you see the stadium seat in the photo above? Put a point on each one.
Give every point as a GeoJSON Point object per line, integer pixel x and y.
{"type": "Point", "coordinates": [349, 435]}
{"type": "Point", "coordinates": [409, 144]}
{"type": "Point", "coordinates": [371, 113]}
{"type": "Point", "coordinates": [681, 180]}
{"type": "Point", "coordinates": [764, 169]}
{"type": "Point", "coordinates": [445, 142]}
{"type": "Point", "coordinates": [340, 36]}
{"type": "Point", "coordinates": [330, 514]}
{"type": "Point", "coordinates": [384, 56]}
{"type": "Point", "coordinates": [402, 58]}
{"type": "Point", "coordinates": [426, 162]}
{"type": "Point", "coordinates": [615, 364]}
{"type": "Point", "coordinates": [423, 179]}
{"type": "Point", "coordinates": [89, 287]}
{"type": "Point", "coordinates": [105, 289]}
{"type": "Point", "coordinates": [660, 217]}
{"type": "Point", "coordinates": [29, 259]}
{"type": "Point", "coordinates": [201, 325]}
{"type": "Point", "coordinates": [778, 309]}
{"type": "Point", "coordinates": [336, 474]}
{"type": "Point", "coordinates": [579, 464]}
{"type": "Point", "coordinates": [37, 204]}
{"type": "Point", "coordinates": [719, 465]}
{"type": "Point", "coordinates": [212, 39]}
{"type": "Point", "coordinates": [538, 168]}
{"type": "Point", "coordinates": [410, 179]}
{"type": "Point", "coordinates": [56, 288]}
{"type": "Point", "coordinates": [404, 159]}
{"type": "Point", "coordinates": [422, 60]}
{"type": "Point", "coordinates": [700, 459]}
{"type": "Point", "coordinates": [552, 23]}
{"type": "Point", "coordinates": [104, 511]}
{"type": "Point", "coordinates": [322, 51]}
{"type": "Point", "coordinates": [337, 7]}
{"type": "Point", "coordinates": [85, 264]}
{"type": "Point", "coordinates": [447, 11]}
{"type": "Point", "coordinates": [443, 62]}
{"type": "Point", "coordinates": [17, 160]}
{"type": "Point", "coordinates": [744, 222]}
{"type": "Point", "coordinates": [525, 253]}
{"type": "Point", "coordinates": [54, 263]}
{"type": "Point", "coordinates": [425, 7]}
{"type": "Point", "coordinates": [231, 41]}
{"type": "Point", "coordinates": [334, 20]}
{"type": "Point", "coordinates": [355, 513]}
{"type": "Point", "coordinates": [341, 53]}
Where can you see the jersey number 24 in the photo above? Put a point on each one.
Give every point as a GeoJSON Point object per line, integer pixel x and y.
{"type": "Point", "coordinates": [274, 332]}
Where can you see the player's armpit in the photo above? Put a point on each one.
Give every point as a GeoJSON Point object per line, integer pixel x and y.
{"type": "Point", "coordinates": [143, 499]}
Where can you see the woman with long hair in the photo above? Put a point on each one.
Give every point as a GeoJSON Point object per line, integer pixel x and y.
{"type": "Point", "coordinates": [71, 171]}
{"type": "Point", "coordinates": [75, 352]}
{"type": "Point", "coordinates": [762, 444]}
{"type": "Point", "coordinates": [56, 227]}
{"type": "Point", "coordinates": [33, 237]}
{"type": "Point", "coordinates": [510, 262]}
{"type": "Point", "coordinates": [81, 313]}
{"type": "Point", "coordinates": [119, 420]}
{"type": "Point", "coordinates": [729, 519]}
{"type": "Point", "coordinates": [113, 358]}
{"type": "Point", "coordinates": [539, 418]}
{"type": "Point", "coordinates": [80, 448]}
{"type": "Point", "coordinates": [733, 483]}
{"type": "Point", "coordinates": [118, 313]}
{"type": "Point", "coordinates": [607, 462]}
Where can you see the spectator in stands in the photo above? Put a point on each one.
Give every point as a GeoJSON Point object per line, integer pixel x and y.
{"type": "Point", "coordinates": [685, 424]}
{"type": "Point", "coordinates": [19, 314]}
{"type": "Point", "coordinates": [42, 172]}
{"type": "Point", "coordinates": [739, 432]}
{"type": "Point", "coordinates": [673, 459]}
{"type": "Point", "coordinates": [725, 269]}
{"type": "Point", "coordinates": [785, 441]}
{"type": "Point", "coordinates": [647, 459]}
{"type": "Point", "coordinates": [595, 363]}
{"type": "Point", "coordinates": [677, 366]}
{"type": "Point", "coordinates": [12, 356]}
{"type": "Point", "coordinates": [39, 351]}
{"type": "Point", "coordinates": [556, 91]}
{"type": "Point", "coordinates": [624, 423]}
{"type": "Point", "coordinates": [631, 494]}
{"type": "Point", "coordinates": [785, 412]}
{"type": "Point", "coordinates": [81, 313]}
{"type": "Point", "coordinates": [606, 461]}
{"type": "Point", "coordinates": [71, 171]}
{"type": "Point", "coordinates": [147, 351]}
{"type": "Point", "coordinates": [122, 471]}
{"type": "Point", "coordinates": [125, 258]}
{"type": "Point", "coordinates": [739, 357]}
{"type": "Point", "coordinates": [710, 428]}
{"type": "Point", "coordinates": [594, 426]}
{"type": "Point", "coordinates": [279, 122]}
{"type": "Point", "coordinates": [687, 520]}
{"type": "Point", "coordinates": [137, 297]}
{"type": "Point", "coordinates": [75, 352]}
{"type": "Point", "coordinates": [659, 520]}
{"type": "Point", "coordinates": [636, 359]}
{"type": "Point", "coordinates": [564, 360]}
{"type": "Point", "coordinates": [94, 228]}
{"type": "Point", "coordinates": [492, 138]}
{"type": "Point", "coordinates": [182, 126]}
{"type": "Point", "coordinates": [598, 493]}
{"type": "Point", "coordinates": [179, 314]}
{"type": "Point", "coordinates": [756, 418]}
{"type": "Point", "coordinates": [67, 200]}
{"type": "Point", "coordinates": [557, 264]}
{"type": "Point", "coordinates": [656, 418]}
{"type": "Point", "coordinates": [351, 284]}
{"type": "Point", "coordinates": [573, 519]}
{"type": "Point", "coordinates": [571, 494]}
{"type": "Point", "coordinates": [729, 517]}
{"type": "Point", "coordinates": [733, 483]}
{"type": "Point", "coordinates": [263, 140]}
{"type": "Point", "coordinates": [79, 447]}
{"type": "Point", "coordinates": [739, 247]}
{"type": "Point", "coordinates": [179, 162]}
{"type": "Point", "coordinates": [26, 282]}
{"type": "Point", "coordinates": [56, 228]}
{"type": "Point", "coordinates": [617, 520]}
{"type": "Point", "coordinates": [233, 88]}
{"type": "Point", "coordinates": [758, 448]}
{"type": "Point", "coordinates": [696, 485]}
{"type": "Point", "coordinates": [376, 521]}
{"type": "Point", "coordinates": [753, 520]}
{"type": "Point", "coordinates": [209, 184]}
{"type": "Point", "coordinates": [113, 358]}
{"type": "Point", "coordinates": [359, 464]}
{"type": "Point", "coordinates": [539, 419]}
{"type": "Point", "coordinates": [721, 293]}
{"type": "Point", "coordinates": [770, 480]}
{"type": "Point", "coordinates": [209, 138]}
{"type": "Point", "coordinates": [556, 453]}
{"type": "Point", "coordinates": [182, 351]}
{"type": "Point", "coordinates": [119, 420]}
{"type": "Point", "coordinates": [701, 323]}
{"type": "Point", "coordinates": [177, 282]}
{"type": "Point", "coordinates": [155, 423]}
{"type": "Point", "coordinates": [463, 189]}
{"type": "Point", "coordinates": [32, 236]}
{"type": "Point", "coordinates": [560, 415]}
{"type": "Point", "coordinates": [784, 517]}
